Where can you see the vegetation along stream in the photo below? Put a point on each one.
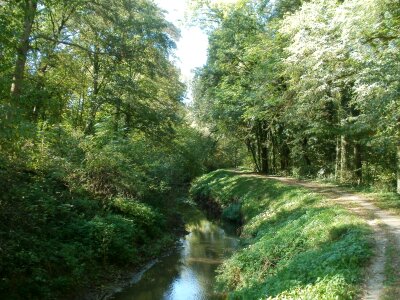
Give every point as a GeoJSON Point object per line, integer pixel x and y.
{"type": "Point", "coordinates": [283, 116]}
{"type": "Point", "coordinates": [188, 272]}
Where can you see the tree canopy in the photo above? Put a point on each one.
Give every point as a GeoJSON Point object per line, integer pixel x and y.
{"type": "Point", "coordinates": [95, 141]}
{"type": "Point", "coordinates": [308, 86]}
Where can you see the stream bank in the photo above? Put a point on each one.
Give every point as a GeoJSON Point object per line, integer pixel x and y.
{"type": "Point", "coordinates": [188, 270]}
{"type": "Point", "coordinates": [296, 244]}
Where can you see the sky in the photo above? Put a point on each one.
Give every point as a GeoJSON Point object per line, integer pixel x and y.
{"type": "Point", "coordinates": [191, 52]}
{"type": "Point", "coordinates": [192, 47]}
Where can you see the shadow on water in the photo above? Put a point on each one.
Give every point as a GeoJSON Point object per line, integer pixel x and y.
{"type": "Point", "coordinates": [189, 271]}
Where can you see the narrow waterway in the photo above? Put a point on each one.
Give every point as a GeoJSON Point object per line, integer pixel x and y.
{"type": "Point", "coordinates": [188, 272]}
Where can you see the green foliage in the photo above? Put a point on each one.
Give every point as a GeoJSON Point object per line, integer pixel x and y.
{"type": "Point", "coordinates": [295, 244]}
{"type": "Point", "coordinates": [308, 87]}
{"type": "Point", "coordinates": [93, 142]}
{"type": "Point", "coordinates": [229, 97]}
{"type": "Point", "coordinates": [232, 213]}
{"type": "Point", "coordinates": [69, 237]}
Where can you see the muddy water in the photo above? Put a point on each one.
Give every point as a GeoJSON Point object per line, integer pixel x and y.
{"type": "Point", "coordinates": [189, 271]}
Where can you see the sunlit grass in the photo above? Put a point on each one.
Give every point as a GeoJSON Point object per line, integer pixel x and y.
{"type": "Point", "coordinates": [392, 270]}
{"type": "Point", "coordinates": [388, 201]}
{"type": "Point", "coordinates": [296, 245]}
{"type": "Point", "coordinates": [382, 198]}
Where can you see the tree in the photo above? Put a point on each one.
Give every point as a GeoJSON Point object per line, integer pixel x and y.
{"type": "Point", "coordinates": [29, 10]}
{"type": "Point", "coordinates": [233, 87]}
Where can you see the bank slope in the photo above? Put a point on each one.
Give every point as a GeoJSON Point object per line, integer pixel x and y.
{"type": "Point", "coordinates": [295, 243]}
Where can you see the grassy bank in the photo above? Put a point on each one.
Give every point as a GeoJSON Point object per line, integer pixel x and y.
{"type": "Point", "coordinates": [295, 243]}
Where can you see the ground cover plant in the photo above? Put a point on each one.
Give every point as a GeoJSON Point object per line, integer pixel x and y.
{"type": "Point", "coordinates": [386, 200]}
{"type": "Point", "coordinates": [295, 244]}
{"type": "Point", "coordinates": [55, 241]}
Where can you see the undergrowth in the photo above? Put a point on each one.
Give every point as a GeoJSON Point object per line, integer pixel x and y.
{"type": "Point", "coordinates": [54, 241]}
{"type": "Point", "coordinates": [296, 245]}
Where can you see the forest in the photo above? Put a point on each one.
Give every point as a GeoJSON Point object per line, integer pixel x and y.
{"type": "Point", "coordinates": [310, 87]}
{"type": "Point", "coordinates": [97, 143]}
{"type": "Point", "coordinates": [94, 141]}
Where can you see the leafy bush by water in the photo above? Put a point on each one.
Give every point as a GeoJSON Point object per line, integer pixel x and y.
{"type": "Point", "coordinates": [75, 206]}
{"type": "Point", "coordinates": [53, 239]}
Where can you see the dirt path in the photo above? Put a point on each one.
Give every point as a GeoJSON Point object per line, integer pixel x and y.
{"type": "Point", "coordinates": [384, 224]}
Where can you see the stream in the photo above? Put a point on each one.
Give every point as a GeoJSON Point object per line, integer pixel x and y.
{"type": "Point", "coordinates": [188, 272]}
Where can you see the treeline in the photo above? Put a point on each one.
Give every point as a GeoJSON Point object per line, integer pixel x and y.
{"type": "Point", "coordinates": [310, 88]}
{"type": "Point", "coordinates": [94, 142]}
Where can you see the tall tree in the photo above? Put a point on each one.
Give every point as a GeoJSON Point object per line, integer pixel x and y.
{"type": "Point", "coordinates": [29, 10]}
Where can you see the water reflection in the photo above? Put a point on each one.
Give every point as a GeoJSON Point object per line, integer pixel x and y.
{"type": "Point", "coordinates": [189, 272]}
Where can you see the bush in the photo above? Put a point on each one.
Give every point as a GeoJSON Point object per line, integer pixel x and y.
{"type": "Point", "coordinates": [233, 213]}
{"type": "Point", "coordinates": [74, 206]}
{"type": "Point", "coordinates": [69, 238]}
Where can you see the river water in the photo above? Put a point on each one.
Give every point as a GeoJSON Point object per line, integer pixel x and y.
{"type": "Point", "coordinates": [188, 272]}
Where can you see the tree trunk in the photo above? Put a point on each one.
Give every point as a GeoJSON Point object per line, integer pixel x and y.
{"type": "Point", "coordinates": [306, 158]}
{"type": "Point", "coordinates": [398, 167]}
{"type": "Point", "coordinates": [263, 148]}
{"type": "Point", "coordinates": [344, 111]}
{"type": "Point", "coordinates": [250, 147]}
{"type": "Point", "coordinates": [274, 151]}
{"type": "Point", "coordinates": [337, 161]}
{"type": "Point", "coordinates": [343, 158]}
{"type": "Point", "coordinates": [30, 7]}
{"type": "Point", "coordinates": [358, 163]}
{"type": "Point", "coordinates": [259, 146]}
{"type": "Point", "coordinates": [398, 155]}
{"type": "Point", "coordinates": [94, 97]}
{"type": "Point", "coordinates": [285, 153]}
{"type": "Point", "coordinates": [264, 159]}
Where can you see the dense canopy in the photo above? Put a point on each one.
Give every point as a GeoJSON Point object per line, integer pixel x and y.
{"type": "Point", "coordinates": [309, 87]}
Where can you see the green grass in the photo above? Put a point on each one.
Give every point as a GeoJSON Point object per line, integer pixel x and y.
{"type": "Point", "coordinates": [382, 198]}
{"type": "Point", "coordinates": [392, 270]}
{"type": "Point", "coordinates": [295, 244]}
{"type": "Point", "coordinates": [386, 200]}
